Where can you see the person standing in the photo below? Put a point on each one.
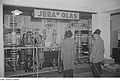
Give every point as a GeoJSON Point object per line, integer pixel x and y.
{"type": "Point", "coordinates": [97, 54]}
{"type": "Point", "coordinates": [68, 51]}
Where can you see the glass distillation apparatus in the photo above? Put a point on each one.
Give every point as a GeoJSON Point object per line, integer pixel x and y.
{"type": "Point", "coordinates": [14, 38]}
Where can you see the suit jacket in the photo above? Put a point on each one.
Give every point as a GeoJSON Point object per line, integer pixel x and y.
{"type": "Point", "coordinates": [68, 51]}
{"type": "Point", "coordinates": [97, 53]}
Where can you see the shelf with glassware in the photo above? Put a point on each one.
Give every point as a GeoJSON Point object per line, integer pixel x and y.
{"type": "Point", "coordinates": [84, 49]}
{"type": "Point", "coordinates": [26, 51]}
{"type": "Point", "coordinates": [29, 55]}
{"type": "Point", "coordinates": [84, 43]}
{"type": "Point", "coordinates": [31, 65]}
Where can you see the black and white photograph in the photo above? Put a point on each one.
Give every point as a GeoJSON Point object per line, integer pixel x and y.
{"type": "Point", "coordinates": [59, 39]}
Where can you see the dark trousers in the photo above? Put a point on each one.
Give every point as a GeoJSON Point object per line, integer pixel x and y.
{"type": "Point", "coordinates": [68, 73]}
{"type": "Point", "coordinates": [96, 69]}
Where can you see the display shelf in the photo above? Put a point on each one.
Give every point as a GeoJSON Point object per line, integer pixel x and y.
{"type": "Point", "coordinates": [29, 47]}
{"type": "Point", "coordinates": [35, 58]}
{"type": "Point", "coordinates": [23, 73]}
{"type": "Point", "coordinates": [80, 57]}
{"type": "Point", "coordinates": [84, 40]}
{"type": "Point", "coordinates": [84, 36]}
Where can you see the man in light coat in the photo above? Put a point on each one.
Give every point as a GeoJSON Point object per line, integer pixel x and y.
{"type": "Point", "coordinates": [68, 51]}
{"type": "Point", "coordinates": [97, 54]}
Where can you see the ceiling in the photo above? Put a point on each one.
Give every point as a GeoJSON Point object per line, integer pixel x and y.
{"type": "Point", "coordinates": [109, 6]}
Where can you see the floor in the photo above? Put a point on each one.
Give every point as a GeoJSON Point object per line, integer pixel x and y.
{"type": "Point", "coordinates": [79, 72]}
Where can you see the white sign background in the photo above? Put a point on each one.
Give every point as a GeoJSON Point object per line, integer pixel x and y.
{"type": "Point", "coordinates": [38, 13]}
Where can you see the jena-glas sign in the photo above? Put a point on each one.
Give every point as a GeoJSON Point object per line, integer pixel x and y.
{"type": "Point", "coordinates": [38, 13]}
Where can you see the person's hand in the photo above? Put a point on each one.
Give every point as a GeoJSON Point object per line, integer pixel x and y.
{"type": "Point", "coordinates": [90, 64]}
{"type": "Point", "coordinates": [91, 60]}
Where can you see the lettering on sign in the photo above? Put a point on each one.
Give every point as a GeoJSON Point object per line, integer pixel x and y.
{"type": "Point", "coordinates": [38, 13]}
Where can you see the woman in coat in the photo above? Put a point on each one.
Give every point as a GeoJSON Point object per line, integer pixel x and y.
{"type": "Point", "coordinates": [68, 51]}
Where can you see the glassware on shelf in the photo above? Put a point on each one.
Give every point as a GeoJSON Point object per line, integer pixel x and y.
{"type": "Point", "coordinates": [13, 52]}
{"type": "Point", "coordinates": [13, 38]}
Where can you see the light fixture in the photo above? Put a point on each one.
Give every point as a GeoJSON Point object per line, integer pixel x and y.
{"type": "Point", "coordinates": [13, 33]}
{"type": "Point", "coordinates": [16, 12]}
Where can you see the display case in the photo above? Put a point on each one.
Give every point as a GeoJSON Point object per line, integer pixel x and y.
{"type": "Point", "coordinates": [27, 50]}
{"type": "Point", "coordinates": [32, 45]}
{"type": "Point", "coordinates": [82, 30]}
{"type": "Point", "coordinates": [86, 40]}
